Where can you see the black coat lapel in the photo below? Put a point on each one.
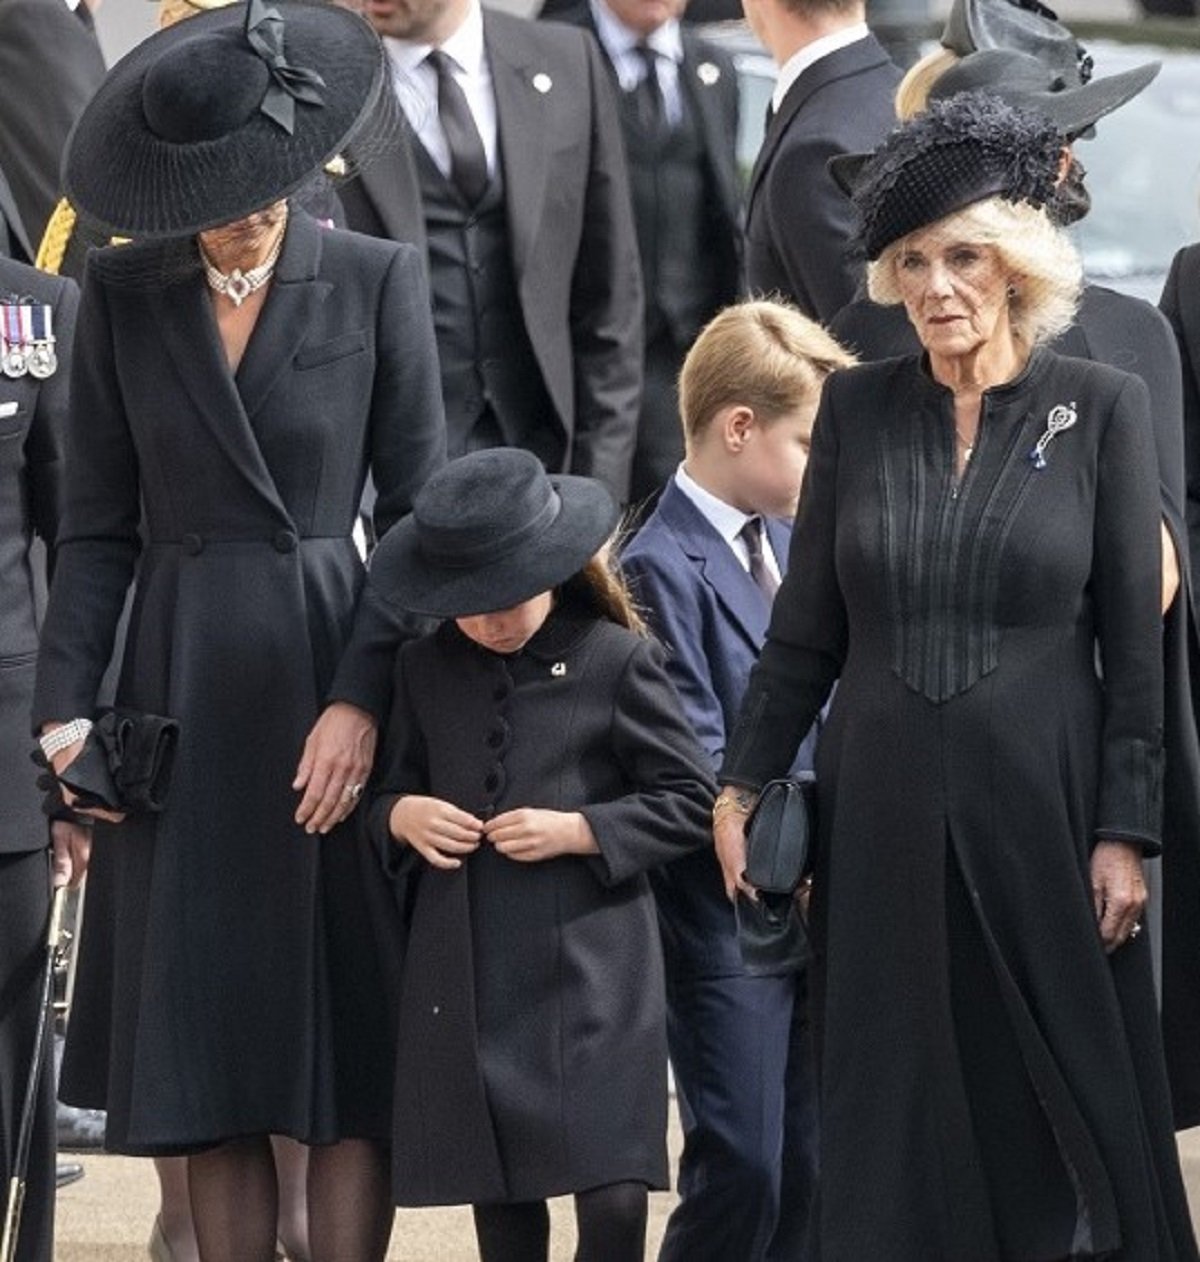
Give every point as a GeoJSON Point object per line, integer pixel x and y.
{"type": "Point", "coordinates": [853, 59]}
{"type": "Point", "coordinates": [184, 317]}
{"type": "Point", "coordinates": [296, 295]}
{"type": "Point", "coordinates": [525, 94]}
{"type": "Point", "coordinates": [700, 81]}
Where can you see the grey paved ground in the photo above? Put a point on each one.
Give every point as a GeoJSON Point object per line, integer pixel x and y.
{"type": "Point", "coordinates": [106, 1217]}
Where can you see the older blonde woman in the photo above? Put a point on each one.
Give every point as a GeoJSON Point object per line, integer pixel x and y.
{"type": "Point", "coordinates": [976, 520]}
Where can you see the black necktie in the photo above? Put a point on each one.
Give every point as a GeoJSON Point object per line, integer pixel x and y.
{"type": "Point", "coordinates": [764, 580]}
{"type": "Point", "coordinates": [648, 92]}
{"type": "Point", "coordinates": [468, 161]}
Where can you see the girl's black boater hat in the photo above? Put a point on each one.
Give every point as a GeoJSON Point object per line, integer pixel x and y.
{"type": "Point", "coordinates": [488, 531]}
{"type": "Point", "coordinates": [958, 152]}
{"type": "Point", "coordinates": [221, 115]}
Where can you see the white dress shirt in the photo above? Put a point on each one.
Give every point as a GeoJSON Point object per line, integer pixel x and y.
{"type": "Point", "coordinates": [620, 43]}
{"type": "Point", "coordinates": [416, 86]}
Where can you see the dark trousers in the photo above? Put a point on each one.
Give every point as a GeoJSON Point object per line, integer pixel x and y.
{"type": "Point", "coordinates": [742, 1055]}
{"type": "Point", "coordinates": [24, 907]}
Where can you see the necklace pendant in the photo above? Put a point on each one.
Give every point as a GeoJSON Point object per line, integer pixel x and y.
{"type": "Point", "coordinates": [237, 287]}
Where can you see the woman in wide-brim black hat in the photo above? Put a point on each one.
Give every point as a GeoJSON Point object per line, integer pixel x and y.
{"type": "Point", "coordinates": [980, 525]}
{"type": "Point", "coordinates": [240, 371]}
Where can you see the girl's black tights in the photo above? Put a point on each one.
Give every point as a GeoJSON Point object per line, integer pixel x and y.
{"type": "Point", "coordinates": [611, 1223]}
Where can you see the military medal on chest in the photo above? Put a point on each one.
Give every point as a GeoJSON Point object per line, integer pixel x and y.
{"type": "Point", "coordinates": [18, 333]}
{"type": "Point", "coordinates": [27, 339]}
{"type": "Point", "coordinates": [42, 359]}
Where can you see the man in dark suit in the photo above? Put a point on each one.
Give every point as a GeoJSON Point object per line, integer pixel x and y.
{"type": "Point", "coordinates": [32, 420]}
{"type": "Point", "coordinates": [50, 64]}
{"type": "Point", "coordinates": [508, 173]}
{"type": "Point", "coordinates": [704, 567]}
{"type": "Point", "coordinates": [678, 101]}
{"type": "Point", "coordinates": [834, 95]}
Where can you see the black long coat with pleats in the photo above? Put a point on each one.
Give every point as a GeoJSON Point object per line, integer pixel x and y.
{"type": "Point", "coordinates": [991, 1083]}
{"type": "Point", "coordinates": [227, 982]}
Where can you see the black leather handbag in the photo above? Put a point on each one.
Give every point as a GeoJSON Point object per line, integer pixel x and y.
{"type": "Point", "coordinates": [780, 840]}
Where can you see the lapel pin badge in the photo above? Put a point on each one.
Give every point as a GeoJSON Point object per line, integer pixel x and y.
{"type": "Point", "coordinates": [542, 83]}
{"type": "Point", "coordinates": [558, 670]}
{"type": "Point", "coordinates": [1061, 417]}
{"type": "Point", "coordinates": [707, 73]}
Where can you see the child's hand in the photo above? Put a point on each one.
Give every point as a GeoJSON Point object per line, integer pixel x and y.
{"type": "Point", "coordinates": [529, 835]}
{"type": "Point", "coordinates": [438, 831]}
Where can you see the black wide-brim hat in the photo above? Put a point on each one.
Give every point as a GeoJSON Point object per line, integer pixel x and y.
{"type": "Point", "coordinates": [1028, 26]}
{"type": "Point", "coordinates": [488, 531]}
{"type": "Point", "coordinates": [1026, 81]}
{"type": "Point", "coordinates": [190, 130]}
{"type": "Point", "coordinates": [957, 152]}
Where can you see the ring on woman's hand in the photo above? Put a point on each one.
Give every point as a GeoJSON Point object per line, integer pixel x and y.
{"type": "Point", "coordinates": [1137, 928]}
{"type": "Point", "coordinates": [352, 792]}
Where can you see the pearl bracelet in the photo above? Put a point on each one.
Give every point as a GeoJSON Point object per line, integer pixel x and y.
{"type": "Point", "coordinates": [55, 742]}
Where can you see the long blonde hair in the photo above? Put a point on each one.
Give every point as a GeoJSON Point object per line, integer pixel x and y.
{"type": "Point", "coordinates": [601, 587]}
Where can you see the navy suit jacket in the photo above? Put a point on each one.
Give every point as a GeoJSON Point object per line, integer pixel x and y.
{"type": "Point", "coordinates": [712, 620]}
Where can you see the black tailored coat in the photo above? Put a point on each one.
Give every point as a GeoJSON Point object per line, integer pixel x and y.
{"type": "Point", "coordinates": [227, 993]}
{"type": "Point", "coordinates": [571, 233]}
{"type": "Point", "coordinates": [33, 418]}
{"type": "Point", "coordinates": [1009, 1072]}
{"type": "Point", "coordinates": [532, 1054]}
{"type": "Point", "coordinates": [1181, 965]}
{"type": "Point", "coordinates": [50, 65]}
{"type": "Point", "coordinates": [798, 222]}
{"type": "Point", "coordinates": [1118, 329]}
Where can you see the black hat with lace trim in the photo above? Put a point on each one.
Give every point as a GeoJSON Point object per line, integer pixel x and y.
{"type": "Point", "coordinates": [215, 118]}
{"type": "Point", "coordinates": [958, 152]}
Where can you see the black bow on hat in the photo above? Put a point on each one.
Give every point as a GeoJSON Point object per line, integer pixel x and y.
{"type": "Point", "coordinates": [289, 84]}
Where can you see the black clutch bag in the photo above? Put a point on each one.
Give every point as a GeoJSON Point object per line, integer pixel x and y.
{"type": "Point", "coordinates": [780, 833]}
{"type": "Point", "coordinates": [125, 763]}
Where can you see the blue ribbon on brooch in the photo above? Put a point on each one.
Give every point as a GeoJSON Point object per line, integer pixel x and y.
{"type": "Point", "coordinates": [289, 84]}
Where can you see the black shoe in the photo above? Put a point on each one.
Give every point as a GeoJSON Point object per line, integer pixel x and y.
{"type": "Point", "coordinates": [80, 1130]}
{"type": "Point", "coordinates": [67, 1172]}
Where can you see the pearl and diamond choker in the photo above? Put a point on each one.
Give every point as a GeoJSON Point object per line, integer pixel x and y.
{"type": "Point", "coordinates": [237, 285]}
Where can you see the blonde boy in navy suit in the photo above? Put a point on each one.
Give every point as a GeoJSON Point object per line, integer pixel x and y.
{"type": "Point", "coordinates": [705, 566]}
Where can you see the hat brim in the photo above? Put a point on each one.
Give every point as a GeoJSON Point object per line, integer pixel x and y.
{"type": "Point", "coordinates": [405, 577]}
{"type": "Point", "coordinates": [1074, 110]}
{"type": "Point", "coordinates": [127, 181]}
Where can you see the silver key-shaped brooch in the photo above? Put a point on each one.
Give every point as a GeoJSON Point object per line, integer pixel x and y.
{"type": "Point", "coordinates": [1062, 416]}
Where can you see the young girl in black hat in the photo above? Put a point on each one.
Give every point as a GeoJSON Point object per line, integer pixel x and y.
{"type": "Point", "coordinates": [536, 765]}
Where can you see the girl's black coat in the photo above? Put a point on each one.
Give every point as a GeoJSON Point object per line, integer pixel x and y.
{"type": "Point", "coordinates": [220, 978]}
{"type": "Point", "coordinates": [532, 1050]}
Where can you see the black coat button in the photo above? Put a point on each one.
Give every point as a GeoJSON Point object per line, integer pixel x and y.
{"type": "Point", "coordinates": [495, 739]}
{"type": "Point", "coordinates": [284, 541]}
{"type": "Point", "coordinates": [491, 782]}
{"type": "Point", "coordinates": [193, 545]}
{"type": "Point", "coordinates": [501, 693]}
